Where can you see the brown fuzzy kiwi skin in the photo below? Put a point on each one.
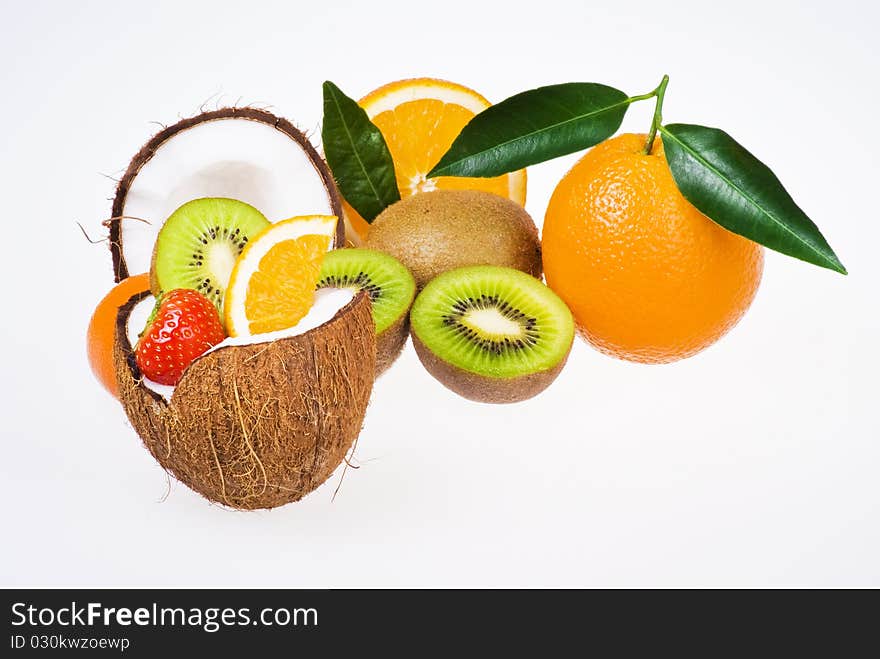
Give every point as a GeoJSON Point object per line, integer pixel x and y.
{"type": "Point", "coordinates": [436, 231]}
{"type": "Point", "coordinates": [120, 268]}
{"type": "Point", "coordinates": [389, 344]}
{"type": "Point", "coordinates": [484, 389]}
{"type": "Point", "coordinates": [262, 425]}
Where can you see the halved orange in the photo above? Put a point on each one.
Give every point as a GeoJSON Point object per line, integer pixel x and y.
{"type": "Point", "coordinates": [420, 118]}
{"type": "Point", "coordinates": [102, 329]}
{"type": "Point", "coordinates": [273, 281]}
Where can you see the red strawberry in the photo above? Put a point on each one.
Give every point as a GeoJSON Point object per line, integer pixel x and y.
{"type": "Point", "coordinates": [183, 325]}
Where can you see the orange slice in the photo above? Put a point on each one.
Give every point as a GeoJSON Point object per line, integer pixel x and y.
{"type": "Point", "coordinates": [419, 119]}
{"type": "Point", "coordinates": [273, 281]}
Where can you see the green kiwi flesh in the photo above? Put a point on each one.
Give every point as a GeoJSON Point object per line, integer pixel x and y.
{"type": "Point", "coordinates": [491, 334]}
{"type": "Point", "coordinates": [390, 286]}
{"type": "Point", "coordinates": [198, 244]}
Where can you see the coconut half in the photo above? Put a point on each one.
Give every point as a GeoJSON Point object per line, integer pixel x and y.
{"type": "Point", "coordinates": [240, 153]}
{"type": "Point", "coordinates": [328, 302]}
{"type": "Point", "coordinates": [259, 424]}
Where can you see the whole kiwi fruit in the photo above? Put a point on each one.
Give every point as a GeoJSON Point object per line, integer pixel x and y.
{"type": "Point", "coordinates": [441, 230]}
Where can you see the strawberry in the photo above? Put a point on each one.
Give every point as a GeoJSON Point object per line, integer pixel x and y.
{"type": "Point", "coordinates": [183, 325]}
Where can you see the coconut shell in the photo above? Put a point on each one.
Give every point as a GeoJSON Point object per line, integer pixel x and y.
{"type": "Point", "coordinates": [484, 389]}
{"type": "Point", "coordinates": [142, 157]}
{"type": "Point", "coordinates": [258, 426]}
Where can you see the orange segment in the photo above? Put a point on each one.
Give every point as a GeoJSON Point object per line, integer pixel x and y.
{"type": "Point", "coordinates": [415, 154]}
{"type": "Point", "coordinates": [281, 292]}
{"type": "Point", "coordinates": [273, 281]}
{"type": "Point", "coordinates": [420, 119]}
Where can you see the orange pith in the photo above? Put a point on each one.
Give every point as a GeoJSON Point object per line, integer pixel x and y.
{"type": "Point", "coordinates": [647, 276]}
{"type": "Point", "coordinates": [102, 329]}
{"type": "Point", "coordinates": [419, 119]}
{"type": "Point", "coordinates": [282, 290]}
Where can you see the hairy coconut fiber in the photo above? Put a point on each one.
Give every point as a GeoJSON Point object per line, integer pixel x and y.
{"type": "Point", "coordinates": [261, 425]}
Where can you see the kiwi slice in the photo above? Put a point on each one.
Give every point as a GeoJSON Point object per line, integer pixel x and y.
{"type": "Point", "coordinates": [491, 334]}
{"type": "Point", "coordinates": [198, 244]}
{"type": "Point", "coordinates": [390, 286]}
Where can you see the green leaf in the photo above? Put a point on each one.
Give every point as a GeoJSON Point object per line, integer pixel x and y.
{"type": "Point", "coordinates": [739, 192]}
{"type": "Point", "coordinates": [532, 127]}
{"type": "Point", "coordinates": [357, 154]}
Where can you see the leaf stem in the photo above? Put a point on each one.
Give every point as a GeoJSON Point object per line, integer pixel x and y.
{"type": "Point", "coordinates": [642, 97]}
{"type": "Point", "coordinates": [660, 93]}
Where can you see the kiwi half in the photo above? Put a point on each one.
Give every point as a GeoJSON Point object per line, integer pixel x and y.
{"type": "Point", "coordinates": [198, 244]}
{"type": "Point", "coordinates": [491, 334]}
{"type": "Point", "coordinates": [390, 286]}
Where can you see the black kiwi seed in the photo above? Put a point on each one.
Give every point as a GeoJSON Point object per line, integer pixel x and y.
{"type": "Point", "coordinates": [528, 324]}
{"type": "Point", "coordinates": [390, 286]}
{"type": "Point", "coordinates": [361, 281]}
{"type": "Point", "coordinates": [182, 258]}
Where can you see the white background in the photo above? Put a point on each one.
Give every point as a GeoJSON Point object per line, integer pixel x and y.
{"type": "Point", "coordinates": [755, 463]}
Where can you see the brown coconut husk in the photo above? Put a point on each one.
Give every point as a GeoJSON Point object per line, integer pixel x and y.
{"type": "Point", "coordinates": [261, 425]}
{"type": "Point", "coordinates": [120, 268]}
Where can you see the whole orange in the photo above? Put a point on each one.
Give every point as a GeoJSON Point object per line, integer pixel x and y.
{"type": "Point", "coordinates": [647, 276]}
{"type": "Point", "coordinates": [102, 326]}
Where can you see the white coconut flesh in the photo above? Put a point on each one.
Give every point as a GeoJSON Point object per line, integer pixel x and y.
{"type": "Point", "coordinates": [328, 302]}
{"type": "Point", "coordinates": [231, 157]}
